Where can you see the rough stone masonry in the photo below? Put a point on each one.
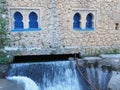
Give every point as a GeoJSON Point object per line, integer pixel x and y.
{"type": "Point", "coordinates": [57, 35]}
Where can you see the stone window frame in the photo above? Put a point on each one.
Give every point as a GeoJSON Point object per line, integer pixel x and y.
{"type": "Point", "coordinates": [84, 13]}
{"type": "Point", "coordinates": [25, 11]}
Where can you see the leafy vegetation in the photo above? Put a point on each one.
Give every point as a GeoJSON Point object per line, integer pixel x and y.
{"type": "Point", "coordinates": [4, 57]}
{"type": "Point", "coordinates": [97, 53]}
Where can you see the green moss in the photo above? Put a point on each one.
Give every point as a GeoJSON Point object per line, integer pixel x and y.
{"type": "Point", "coordinates": [95, 53]}
{"type": "Point", "coordinates": [112, 51]}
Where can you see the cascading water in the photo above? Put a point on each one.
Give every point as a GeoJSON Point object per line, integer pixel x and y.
{"type": "Point", "coordinates": [24, 83]}
{"type": "Point", "coordinates": [58, 75]}
{"type": "Point", "coordinates": [96, 77]}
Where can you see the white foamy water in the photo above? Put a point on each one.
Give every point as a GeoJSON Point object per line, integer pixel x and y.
{"type": "Point", "coordinates": [70, 82]}
{"type": "Point", "coordinates": [60, 75]}
{"type": "Point", "coordinates": [24, 83]}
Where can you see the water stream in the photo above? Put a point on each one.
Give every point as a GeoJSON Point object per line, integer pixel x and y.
{"type": "Point", "coordinates": [57, 75]}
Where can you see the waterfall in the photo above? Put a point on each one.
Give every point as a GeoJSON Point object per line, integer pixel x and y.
{"type": "Point", "coordinates": [97, 77]}
{"type": "Point", "coordinates": [58, 75]}
{"type": "Point", "coordinates": [24, 83]}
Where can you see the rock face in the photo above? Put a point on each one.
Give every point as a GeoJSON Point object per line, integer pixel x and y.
{"type": "Point", "coordinates": [3, 70]}
{"type": "Point", "coordinates": [114, 83]}
{"type": "Point", "coordinates": [55, 18]}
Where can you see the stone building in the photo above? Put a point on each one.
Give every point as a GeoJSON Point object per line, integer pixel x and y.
{"type": "Point", "coordinates": [64, 26]}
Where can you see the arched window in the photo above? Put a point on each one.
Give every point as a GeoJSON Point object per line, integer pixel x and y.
{"type": "Point", "coordinates": [76, 23]}
{"type": "Point", "coordinates": [89, 23]}
{"type": "Point", "coordinates": [18, 24]}
{"type": "Point", "coordinates": [33, 20]}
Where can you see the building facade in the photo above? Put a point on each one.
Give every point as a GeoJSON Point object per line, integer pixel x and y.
{"type": "Point", "coordinates": [64, 26]}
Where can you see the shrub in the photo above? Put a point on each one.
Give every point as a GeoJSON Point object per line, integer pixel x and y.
{"type": "Point", "coordinates": [3, 35]}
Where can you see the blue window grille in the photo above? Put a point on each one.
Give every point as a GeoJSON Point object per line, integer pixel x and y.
{"type": "Point", "coordinates": [18, 24]}
{"type": "Point", "coordinates": [89, 23]}
{"type": "Point", "coordinates": [33, 20]}
{"type": "Point", "coordinates": [76, 23]}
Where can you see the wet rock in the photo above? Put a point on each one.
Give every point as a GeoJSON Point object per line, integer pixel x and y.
{"type": "Point", "coordinates": [114, 83]}
{"type": "Point", "coordinates": [111, 60]}
{"type": "Point", "coordinates": [8, 85]}
{"type": "Point", "coordinates": [3, 70]}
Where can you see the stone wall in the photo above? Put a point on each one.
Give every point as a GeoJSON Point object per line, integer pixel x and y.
{"type": "Point", "coordinates": [57, 34]}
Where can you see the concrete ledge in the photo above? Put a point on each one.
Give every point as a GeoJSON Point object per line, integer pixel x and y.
{"type": "Point", "coordinates": [115, 56]}
{"type": "Point", "coordinates": [108, 61]}
{"type": "Point", "coordinates": [92, 58]}
{"type": "Point", "coordinates": [15, 51]}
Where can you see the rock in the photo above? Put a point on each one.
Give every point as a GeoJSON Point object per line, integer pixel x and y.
{"type": "Point", "coordinates": [3, 70]}
{"type": "Point", "coordinates": [114, 83]}
{"type": "Point", "coordinates": [8, 85]}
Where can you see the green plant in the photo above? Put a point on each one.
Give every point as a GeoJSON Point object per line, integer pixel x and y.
{"type": "Point", "coordinates": [3, 35]}
{"type": "Point", "coordinates": [112, 51]}
{"type": "Point", "coordinates": [105, 51]}
{"type": "Point", "coordinates": [4, 58]}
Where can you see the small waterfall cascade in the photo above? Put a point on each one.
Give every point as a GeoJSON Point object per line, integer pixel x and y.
{"type": "Point", "coordinates": [97, 76]}
{"type": "Point", "coordinates": [24, 83]}
{"type": "Point", "coordinates": [57, 75]}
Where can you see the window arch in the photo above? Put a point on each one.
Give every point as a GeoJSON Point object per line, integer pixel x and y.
{"type": "Point", "coordinates": [89, 23]}
{"type": "Point", "coordinates": [18, 24]}
{"type": "Point", "coordinates": [33, 20]}
{"type": "Point", "coordinates": [76, 23]}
